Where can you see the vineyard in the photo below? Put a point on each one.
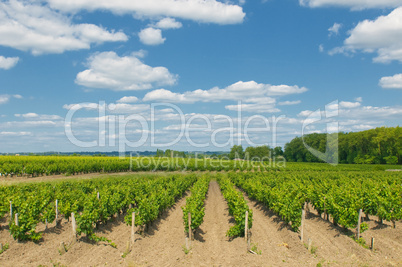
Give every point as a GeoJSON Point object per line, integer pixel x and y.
{"type": "Point", "coordinates": [220, 208]}
{"type": "Point", "coordinates": [32, 166]}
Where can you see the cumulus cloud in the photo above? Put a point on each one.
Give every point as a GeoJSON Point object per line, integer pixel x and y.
{"type": "Point", "coordinates": [151, 36]}
{"type": "Point", "coordinates": [354, 4]}
{"type": "Point", "coordinates": [35, 116]}
{"type": "Point", "coordinates": [334, 29]}
{"type": "Point", "coordinates": [345, 104]}
{"type": "Point", "coordinates": [382, 36]}
{"type": "Point", "coordinates": [8, 62]}
{"type": "Point", "coordinates": [254, 107]}
{"type": "Point", "coordinates": [5, 98]}
{"type": "Point", "coordinates": [250, 91]}
{"type": "Point", "coordinates": [86, 106]}
{"type": "Point", "coordinates": [168, 23]}
{"type": "Point", "coordinates": [15, 133]}
{"type": "Point", "coordinates": [107, 70]}
{"type": "Point", "coordinates": [350, 113]}
{"type": "Point", "coordinates": [27, 115]}
{"type": "Point", "coordinates": [391, 82]}
{"type": "Point", "coordinates": [127, 99]}
{"type": "Point", "coordinates": [321, 48]}
{"type": "Point", "coordinates": [35, 27]}
{"type": "Point", "coordinates": [205, 11]}
{"type": "Point", "coordinates": [289, 103]}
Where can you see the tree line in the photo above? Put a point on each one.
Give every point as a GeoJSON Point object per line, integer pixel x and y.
{"type": "Point", "coordinates": [381, 145]}
{"type": "Point", "coordinates": [258, 153]}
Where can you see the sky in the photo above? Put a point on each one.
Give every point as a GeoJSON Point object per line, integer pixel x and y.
{"type": "Point", "coordinates": [194, 75]}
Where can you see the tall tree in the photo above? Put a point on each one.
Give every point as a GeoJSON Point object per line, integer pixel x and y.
{"type": "Point", "coordinates": [236, 152]}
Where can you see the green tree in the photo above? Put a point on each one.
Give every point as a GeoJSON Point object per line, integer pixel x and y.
{"type": "Point", "coordinates": [236, 152]}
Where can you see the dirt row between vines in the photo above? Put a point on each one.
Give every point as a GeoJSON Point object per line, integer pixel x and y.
{"type": "Point", "coordinates": [163, 242]}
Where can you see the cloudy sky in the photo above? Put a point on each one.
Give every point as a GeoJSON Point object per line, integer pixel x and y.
{"type": "Point", "coordinates": [99, 75]}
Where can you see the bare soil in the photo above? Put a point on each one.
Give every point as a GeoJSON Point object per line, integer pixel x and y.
{"type": "Point", "coordinates": [163, 243]}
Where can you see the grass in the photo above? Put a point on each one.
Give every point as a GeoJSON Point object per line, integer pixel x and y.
{"type": "Point", "coordinates": [313, 249]}
{"type": "Point", "coordinates": [5, 247]}
{"type": "Point", "coordinates": [255, 248]}
{"type": "Point", "coordinates": [361, 242]}
{"type": "Point", "coordinates": [186, 251]}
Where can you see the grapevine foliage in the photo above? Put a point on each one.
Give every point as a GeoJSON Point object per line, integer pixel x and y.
{"type": "Point", "coordinates": [195, 203]}
{"type": "Point", "coordinates": [237, 207]}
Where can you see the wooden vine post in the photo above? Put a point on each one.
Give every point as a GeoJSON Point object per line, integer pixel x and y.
{"type": "Point", "coordinates": [57, 212]}
{"type": "Point", "coordinates": [132, 229]}
{"type": "Point", "coordinates": [372, 243]}
{"type": "Point", "coordinates": [302, 223]}
{"type": "Point", "coordinates": [16, 219]}
{"type": "Point", "coordinates": [188, 239]}
{"type": "Point", "coordinates": [246, 235]}
{"type": "Point", "coordinates": [246, 226]}
{"type": "Point", "coordinates": [74, 226]}
{"type": "Point", "coordinates": [358, 224]}
{"type": "Point", "coordinates": [11, 210]}
{"type": "Point", "coordinates": [189, 227]}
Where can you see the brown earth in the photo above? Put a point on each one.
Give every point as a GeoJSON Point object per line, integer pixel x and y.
{"type": "Point", "coordinates": [164, 242]}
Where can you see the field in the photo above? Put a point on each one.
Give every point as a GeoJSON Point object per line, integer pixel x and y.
{"type": "Point", "coordinates": [217, 196]}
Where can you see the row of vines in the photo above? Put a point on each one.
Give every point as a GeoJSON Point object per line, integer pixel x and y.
{"type": "Point", "coordinates": [234, 198]}
{"type": "Point", "coordinates": [32, 166]}
{"type": "Point", "coordinates": [339, 194]}
{"type": "Point", "coordinates": [93, 201]}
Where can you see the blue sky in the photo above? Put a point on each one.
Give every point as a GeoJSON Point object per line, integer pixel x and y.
{"type": "Point", "coordinates": [205, 58]}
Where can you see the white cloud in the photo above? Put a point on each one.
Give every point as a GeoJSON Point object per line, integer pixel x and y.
{"type": "Point", "coordinates": [359, 99]}
{"type": "Point", "coordinates": [127, 99]}
{"type": "Point", "coordinates": [334, 29]}
{"type": "Point", "coordinates": [205, 11]}
{"type": "Point", "coordinates": [35, 116]}
{"type": "Point", "coordinates": [289, 103]}
{"type": "Point", "coordinates": [344, 104]}
{"type": "Point", "coordinates": [321, 48]}
{"type": "Point", "coordinates": [151, 36]}
{"type": "Point", "coordinates": [167, 96]}
{"type": "Point", "coordinates": [109, 71]}
{"type": "Point", "coordinates": [33, 123]}
{"type": "Point", "coordinates": [354, 4]}
{"type": "Point", "coordinates": [15, 133]}
{"type": "Point", "coordinates": [37, 28]}
{"type": "Point", "coordinates": [123, 108]}
{"type": "Point", "coordinates": [254, 107]}
{"type": "Point", "coordinates": [352, 114]}
{"type": "Point", "coordinates": [28, 115]}
{"type": "Point", "coordinates": [168, 23]}
{"type": "Point", "coordinates": [241, 91]}
{"type": "Point", "coordinates": [391, 82]}
{"type": "Point", "coordinates": [8, 62]}
{"type": "Point", "coordinates": [382, 36]}
{"type": "Point", "coordinates": [5, 98]}
{"type": "Point", "coordinates": [86, 106]}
